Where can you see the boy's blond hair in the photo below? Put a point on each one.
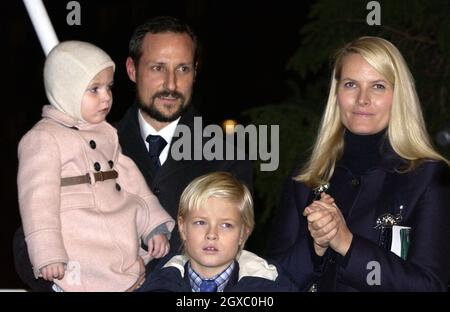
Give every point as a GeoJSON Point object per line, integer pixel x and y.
{"type": "Point", "coordinates": [220, 185]}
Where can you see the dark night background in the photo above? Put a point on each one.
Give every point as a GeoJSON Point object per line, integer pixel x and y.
{"type": "Point", "coordinates": [253, 69]}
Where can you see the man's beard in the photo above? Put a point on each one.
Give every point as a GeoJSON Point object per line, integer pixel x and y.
{"type": "Point", "coordinates": [156, 114]}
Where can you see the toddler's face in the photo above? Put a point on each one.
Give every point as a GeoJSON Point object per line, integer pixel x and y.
{"type": "Point", "coordinates": [212, 235]}
{"type": "Point", "coordinates": [97, 98]}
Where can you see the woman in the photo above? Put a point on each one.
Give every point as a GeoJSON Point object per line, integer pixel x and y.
{"type": "Point", "coordinates": [384, 178]}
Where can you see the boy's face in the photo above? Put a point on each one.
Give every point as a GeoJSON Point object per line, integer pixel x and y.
{"type": "Point", "coordinates": [97, 98]}
{"type": "Point", "coordinates": [212, 235]}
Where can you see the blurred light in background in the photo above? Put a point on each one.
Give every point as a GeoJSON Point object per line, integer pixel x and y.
{"type": "Point", "coordinates": [228, 125]}
{"type": "Point", "coordinates": [443, 137]}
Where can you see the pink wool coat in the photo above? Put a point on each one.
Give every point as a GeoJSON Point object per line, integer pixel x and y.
{"type": "Point", "coordinates": [94, 228]}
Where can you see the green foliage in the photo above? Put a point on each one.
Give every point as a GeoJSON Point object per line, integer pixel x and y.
{"type": "Point", "coordinates": [298, 125]}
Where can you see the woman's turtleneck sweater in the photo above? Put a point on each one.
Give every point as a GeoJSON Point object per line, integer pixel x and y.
{"type": "Point", "coordinates": [362, 152]}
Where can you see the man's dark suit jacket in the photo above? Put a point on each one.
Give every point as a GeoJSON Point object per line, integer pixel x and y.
{"type": "Point", "coordinates": [172, 178]}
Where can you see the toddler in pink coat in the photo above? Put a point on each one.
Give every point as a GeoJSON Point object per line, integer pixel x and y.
{"type": "Point", "coordinates": [85, 207]}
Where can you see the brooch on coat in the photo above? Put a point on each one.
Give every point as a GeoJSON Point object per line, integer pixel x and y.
{"type": "Point", "coordinates": [387, 220]}
{"type": "Point", "coordinates": [385, 224]}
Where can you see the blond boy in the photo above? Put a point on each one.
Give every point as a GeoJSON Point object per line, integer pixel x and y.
{"type": "Point", "coordinates": [215, 219]}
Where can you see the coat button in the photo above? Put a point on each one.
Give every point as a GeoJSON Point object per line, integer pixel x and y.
{"type": "Point", "coordinates": [111, 163]}
{"type": "Point", "coordinates": [355, 182]}
{"type": "Point", "coordinates": [97, 166]}
{"type": "Point", "coordinates": [92, 144]}
{"type": "Point", "coordinates": [156, 190]}
{"type": "Point", "coordinates": [118, 188]}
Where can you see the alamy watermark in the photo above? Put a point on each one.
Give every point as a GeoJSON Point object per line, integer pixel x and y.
{"type": "Point", "coordinates": [213, 143]}
{"type": "Point", "coordinates": [374, 16]}
{"type": "Point", "coordinates": [374, 276]}
{"type": "Point", "coordinates": [74, 16]}
{"type": "Point", "coordinates": [73, 273]}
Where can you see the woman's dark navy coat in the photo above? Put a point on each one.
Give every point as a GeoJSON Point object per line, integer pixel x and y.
{"type": "Point", "coordinates": [424, 195]}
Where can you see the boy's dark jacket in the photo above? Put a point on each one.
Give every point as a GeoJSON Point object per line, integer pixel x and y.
{"type": "Point", "coordinates": [251, 274]}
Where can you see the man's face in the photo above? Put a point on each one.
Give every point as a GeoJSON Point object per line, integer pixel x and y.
{"type": "Point", "coordinates": [164, 75]}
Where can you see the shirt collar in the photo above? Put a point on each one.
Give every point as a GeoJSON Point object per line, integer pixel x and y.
{"type": "Point", "coordinates": [221, 279]}
{"type": "Point", "coordinates": [167, 132]}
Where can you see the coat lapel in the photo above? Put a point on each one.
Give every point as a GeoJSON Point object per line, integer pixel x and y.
{"type": "Point", "coordinates": [132, 143]}
{"type": "Point", "coordinates": [133, 146]}
{"type": "Point", "coordinates": [391, 200]}
{"type": "Point", "coordinates": [172, 166]}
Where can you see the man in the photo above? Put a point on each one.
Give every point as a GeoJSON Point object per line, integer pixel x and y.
{"type": "Point", "coordinates": [163, 58]}
{"type": "Point", "coordinates": [163, 63]}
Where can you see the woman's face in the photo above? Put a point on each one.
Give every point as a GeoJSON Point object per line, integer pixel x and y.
{"type": "Point", "coordinates": [364, 96]}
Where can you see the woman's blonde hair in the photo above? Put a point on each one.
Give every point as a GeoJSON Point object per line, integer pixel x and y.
{"type": "Point", "coordinates": [406, 132]}
{"type": "Point", "coordinates": [220, 185]}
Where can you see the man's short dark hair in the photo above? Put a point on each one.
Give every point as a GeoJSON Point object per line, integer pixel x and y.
{"type": "Point", "coordinates": [158, 25]}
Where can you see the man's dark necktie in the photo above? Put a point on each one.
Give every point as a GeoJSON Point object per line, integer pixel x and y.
{"type": "Point", "coordinates": [156, 145]}
{"type": "Point", "coordinates": [208, 286]}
